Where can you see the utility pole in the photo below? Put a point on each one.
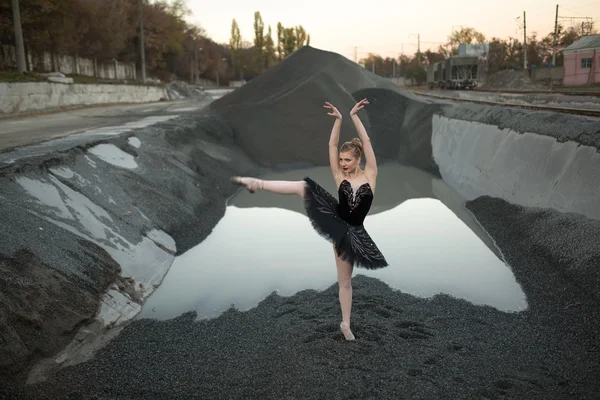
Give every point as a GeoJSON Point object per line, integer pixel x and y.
{"type": "Point", "coordinates": [419, 47]}
{"type": "Point", "coordinates": [198, 67]}
{"type": "Point", "coordinates": [524, 41]}
{"type": "Point", "coordinates": [393, 67]}
{"type": "Point", "coordinates": [195, 68]}
{"type": "Point", "coordinates": [219, 70]}
{"type": "Point", "coordinates": [355, 55]}
{"type": "Point", "coordinates": [195, 62]}
{"type": "Point", "coordinates": [19, 44]}
{"type": "Point", "coordinates": [142, 46]}
{"type": "Point", "coordinates": [555, 33]}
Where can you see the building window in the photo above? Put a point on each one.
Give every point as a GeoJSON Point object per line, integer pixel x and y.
{"type": "Point", "coordinates": [586, 62]}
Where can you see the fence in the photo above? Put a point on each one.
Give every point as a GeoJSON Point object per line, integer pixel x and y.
{"type": "Point", "coordinates": [545, 74]}
{"type": "Point", "coordinates": [48, 62]}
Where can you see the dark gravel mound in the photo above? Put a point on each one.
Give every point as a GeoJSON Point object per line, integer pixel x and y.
{"type": "Point", "coordinates": [278, 117]}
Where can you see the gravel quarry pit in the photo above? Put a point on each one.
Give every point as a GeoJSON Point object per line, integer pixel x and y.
{"type": "Point", "coordinates": [91, 229]}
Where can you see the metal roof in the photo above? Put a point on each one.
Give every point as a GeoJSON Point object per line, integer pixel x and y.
{"type": "Point", "coordinates": [585, 43]}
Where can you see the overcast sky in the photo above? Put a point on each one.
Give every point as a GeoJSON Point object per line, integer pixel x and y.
{"type": "Point", "coordinates": [386, 27]}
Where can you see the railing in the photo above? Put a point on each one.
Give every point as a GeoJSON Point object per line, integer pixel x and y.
{"type": "Point", "coordinates": [68, 64]}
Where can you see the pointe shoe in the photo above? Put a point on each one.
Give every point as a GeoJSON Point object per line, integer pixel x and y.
{"type": "Point", "coordinates": [346, 331]}
{"type": "Point", "coordinates": [251, 184]}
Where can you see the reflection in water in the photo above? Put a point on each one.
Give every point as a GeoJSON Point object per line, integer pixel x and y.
{"type": "Point", "coordinates": [266, 243]}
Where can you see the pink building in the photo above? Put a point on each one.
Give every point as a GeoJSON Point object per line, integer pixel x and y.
{"type": "Point", "coordinates": [582, 62]}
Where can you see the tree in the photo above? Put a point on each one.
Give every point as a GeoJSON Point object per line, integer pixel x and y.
{"type": "Point", "coordinates": [464, 36]}
{"type": "Point", "coordinates": [289, 41]}
{"type": "Point", "coordinates": [566, 37]}
{"type": "Point", "coordinates": [403, 63]}
{"type": "Point", "coordinates": [259, 41]}
{"type": "Point", "coordinates": [280, 41]}
{"type": "Point", "coordinates": [432, 57]}
{"type": "Point", "coordinates": [235, 44]}
{"type": "Point", "coordinates": [270, 56]}
{"type": "Point", "coordinates": [416, 71]}
{"type": "Point", "coordinates": [497, 55]}
{"type": "Point", "coordinates": [444, 51]}
{"type": "Point", "coordinates": [105, 29]}
{"type": "Point", "coordinates": [373, 60]}
{"type": "Point", "coordinates": [300, 34]}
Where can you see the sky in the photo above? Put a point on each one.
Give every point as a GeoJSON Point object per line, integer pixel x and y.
{"type": "Point", "coordinates": [387, 27]}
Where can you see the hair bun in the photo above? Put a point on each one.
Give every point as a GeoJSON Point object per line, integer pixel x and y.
{"type": "Point", "coordinates": [358, 143]}
{"type": "Point", "coordinates": [354, 146]}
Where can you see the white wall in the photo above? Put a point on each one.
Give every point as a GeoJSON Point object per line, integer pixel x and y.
{"type": "Point", "coordinates": [523, 168]}
{"type": "Point", "coordinates": [38, 96]}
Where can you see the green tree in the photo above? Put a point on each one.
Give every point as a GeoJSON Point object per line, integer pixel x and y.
{"type": "Point", "coordinates": [259, 41]}
{"type": "Point", "coordinates": [280, 41]}
{"type": "Point", "coordinates": [464, 36]}
{"type": "Point", "coordinates": [270, 56]}
{"type": "Point", "coordinates": [373, 60]}
{"type": "Point", "coordinates": [235, 44]}
{"type": "Point", "coordinates": [301, 37]}
{"type": "Point", "coordinates": [416, 71]}
{"type": "Point", "coordinates": [403, 63]}
{"type": "Point", "coordinates": [289, 41]}
{"type": "Point", "coordinates": [498, 55]}
{"type": "Point", "coordinates": [432, 57]}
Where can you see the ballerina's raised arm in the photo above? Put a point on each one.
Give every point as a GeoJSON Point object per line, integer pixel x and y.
{"type": "Point", "coordinates": [370, 160]}
{"type": "Point", "coordinates": [334, 140]}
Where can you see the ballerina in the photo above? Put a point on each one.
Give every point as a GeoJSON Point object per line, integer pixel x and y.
{"type": "Point", "coordinates": [340, 222]}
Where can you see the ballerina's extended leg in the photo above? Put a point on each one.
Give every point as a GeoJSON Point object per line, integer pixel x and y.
{"type": "Point", "coordinates": [280, 187]}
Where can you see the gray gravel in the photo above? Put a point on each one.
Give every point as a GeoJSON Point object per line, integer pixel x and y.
{"type": "Point", "coordinates": [406, 347]}
{"type": "Point", "coordinates": [563, 127]}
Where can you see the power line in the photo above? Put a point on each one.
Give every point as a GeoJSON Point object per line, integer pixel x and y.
{"type": "Point", "coordinates": [583, 6]}
{"type": "Point", "coordinates": [588, 21]}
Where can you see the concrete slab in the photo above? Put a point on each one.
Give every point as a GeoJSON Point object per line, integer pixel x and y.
{"type": "Point", "coordinates": [38, 96]}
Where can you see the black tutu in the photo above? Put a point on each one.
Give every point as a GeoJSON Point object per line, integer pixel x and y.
{"type": "Point", "coordinates": [352, 242]}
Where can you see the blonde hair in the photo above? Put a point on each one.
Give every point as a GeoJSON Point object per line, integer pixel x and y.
{"type": "Point", "coordinates": [354, 146]}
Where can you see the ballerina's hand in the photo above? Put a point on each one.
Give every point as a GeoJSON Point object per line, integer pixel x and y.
{"type": "Point", "coordinates": [334, 111]}
{"type": "Point", "coordinates": [359, 106]}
